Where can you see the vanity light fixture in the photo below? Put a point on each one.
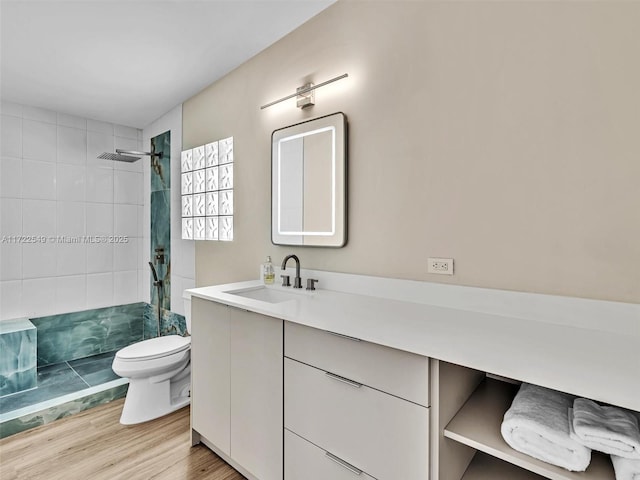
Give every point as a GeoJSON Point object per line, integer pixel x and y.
{"type": "Point", "coordinates": [305, 94]}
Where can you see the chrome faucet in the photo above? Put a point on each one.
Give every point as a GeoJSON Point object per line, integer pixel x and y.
{"type": "Point", "coordinates": [297, 282]}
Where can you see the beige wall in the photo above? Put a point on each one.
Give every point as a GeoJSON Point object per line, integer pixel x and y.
{"type": "Point", "coordinates": [502, 134]}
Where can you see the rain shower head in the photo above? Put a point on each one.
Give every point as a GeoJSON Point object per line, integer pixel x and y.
{"type": "Point", "coordinates": [116, 157]}
{"type": "Point", "coordinates": [127, 155]}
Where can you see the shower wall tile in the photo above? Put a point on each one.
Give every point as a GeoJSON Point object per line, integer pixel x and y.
{"type": "Point", "coordinates": [98, 143]}
{"type": "Point", "coordinates": [70, 218]}
{"type": "Point", "coordinates": [70, 182]}
{"type": "Point", "coordinates": [161, 166]}
{"type": "Point", "coordinates": [99, 290]}
{"type": "Point", "coordinates": [125, 287]}
{"type": "Point", "coordinates": [171, 323]}
{"type": "Point", "coordinates": [39, 114]}
{"type": "Point", "coordinates": [38, 297]}
{"type": "Point", "coordinates": [185, 263]}
{"type": "Point", "coordinates": [178, 286]}
{"type": "Point", "coordinates": [125, 220]}
{"type": "Point", "coordinates": [141, 216]}
{"type": "Point", "coordinates": [38, 180]}
{"type": "Point", "coordinates": [71, 259]}
{"type": "Point", "coordinates": [127, 187]}
{"type": "Point", "coordinates": [150, 321]}
{"type": "Point", "coordinates": [11, 264]}
{"type": "Point", "coordinates": [10, 177]}
{"type": "Point", "coordinates": [98, 126]}
{"type": "Point", "coordinates": [99, 185]}
{"type": "Point", "coordinates": [124, 143]}
{"type": "Point", "coordinates": [39, 217]}
{"type": "Point", "coordinates": [99, 217]}
{"type": "Point", "coordinates": [10, 108]}
{"type": "Point", "coordinates": [11, 138]}
{"type": "Point", "coordinates": [52, 185]}
{"type": "Point", "coordinates": [73, 121]}
{"type": "Point", "coordinates": [160, 237]}
{"type": "Point", "coordinates": [11, 216]}
{"type": "Point", "coordinates": [72, 145]}
{"type": "Point", "coordinates": [38, 260]}
{"type": "Point", "coordinates": [17, 356]}
{"type": "Point", "coordinates": [39, 140]}
{"type": "Point", "coordinates": [71, 293]}
{"type": "Point", "coordinates": [125, 254]}
{"type": "Point", "coordinates": [126, 132]}
{"type": "Point", "coordinates": [11, 299]}
{"type": "Point", "coordinates": [99, 258]}
{"type": "Point", "coordinates": [76, 335]}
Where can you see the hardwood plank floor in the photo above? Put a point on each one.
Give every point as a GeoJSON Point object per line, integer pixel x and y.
{"type": "Point", "coordinates": [93, 445]}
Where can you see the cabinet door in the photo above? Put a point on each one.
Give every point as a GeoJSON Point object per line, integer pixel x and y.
{"type": "Point", "coordinates": [256, 393]}
{"type": "Point", "coordinates": [210, 381]}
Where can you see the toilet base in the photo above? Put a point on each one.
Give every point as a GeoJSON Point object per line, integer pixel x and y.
{"type": "Point", "coordinates": [151, 398]}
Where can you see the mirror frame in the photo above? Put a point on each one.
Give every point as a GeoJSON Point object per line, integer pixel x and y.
{"type": "Point", "coordinates": [338, 237]}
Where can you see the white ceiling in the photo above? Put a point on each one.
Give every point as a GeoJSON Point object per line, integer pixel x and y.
{"type": "Point", "coordinates": [129, 62]}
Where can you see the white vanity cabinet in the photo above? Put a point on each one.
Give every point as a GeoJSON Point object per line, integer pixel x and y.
{"type": "Point", "coordinates": [350, 403]}
{"type": "Point", "coordinates": [237, 387]}
{"type": "Point", "coordinates": [211, 373]}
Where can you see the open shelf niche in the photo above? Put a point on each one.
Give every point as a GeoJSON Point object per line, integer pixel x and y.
{"type": "Point", "coordinates": [476, 425]}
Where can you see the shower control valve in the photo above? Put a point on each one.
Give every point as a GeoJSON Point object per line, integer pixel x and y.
{"type": "Point", "coordinates": [159, 257]}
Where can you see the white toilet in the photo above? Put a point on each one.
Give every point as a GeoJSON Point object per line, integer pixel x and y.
{"type": "Point", "coordinates": [159, 373]}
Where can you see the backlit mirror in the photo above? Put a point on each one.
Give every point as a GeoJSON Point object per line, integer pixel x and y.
{"type": "Point", "coordinates": [308, 183]}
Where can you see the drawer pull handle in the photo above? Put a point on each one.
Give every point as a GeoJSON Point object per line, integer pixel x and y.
{"type": "Point", "coordinates": [351, 383]}
{"type": "Point", "coordinates": [343, 336]}
{"type": "Point", "coordinates": [342, 463]}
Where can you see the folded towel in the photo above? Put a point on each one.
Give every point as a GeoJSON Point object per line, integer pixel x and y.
{"type": "Point", "coordinates": [537, 424]}
{"type": "Point", "coordinates": [626, 468]}
{"type": "Point", "coordinates": [607, 429]}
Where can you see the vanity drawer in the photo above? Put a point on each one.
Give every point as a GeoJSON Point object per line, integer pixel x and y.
{"type": "Point", "coordinates": [399, 373]}
{"type": "Point", "coordinates": [304, 461]}
{"type": "Point", "coordinates": [385, 436]}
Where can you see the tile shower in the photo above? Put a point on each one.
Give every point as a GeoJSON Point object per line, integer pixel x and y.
{"type": "Point", "coordinates": [53, 365]}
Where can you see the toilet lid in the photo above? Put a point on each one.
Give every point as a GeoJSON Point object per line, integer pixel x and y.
{"type": "Point", "coordinates": [155, 348]}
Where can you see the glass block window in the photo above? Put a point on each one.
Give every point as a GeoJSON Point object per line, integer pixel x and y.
{"type": "Point", "coordinates": [207, 191]}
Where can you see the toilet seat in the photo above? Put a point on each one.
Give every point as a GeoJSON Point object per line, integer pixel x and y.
{"type": "Point", "coordinates": [154, 348]}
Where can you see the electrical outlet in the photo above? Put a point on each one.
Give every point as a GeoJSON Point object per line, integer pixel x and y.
{"type": "Point", "coordinates": [441, 266]}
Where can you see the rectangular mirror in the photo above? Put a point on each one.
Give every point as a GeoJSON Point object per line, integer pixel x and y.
{"type": "Point", "coordinates": [308, 183]}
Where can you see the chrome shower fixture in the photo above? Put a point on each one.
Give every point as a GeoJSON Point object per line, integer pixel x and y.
{"type": "Point", "coordinates": [127, 155]}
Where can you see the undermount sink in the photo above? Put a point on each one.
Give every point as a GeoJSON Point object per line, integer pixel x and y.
{"type": "Point", "coordinates": [264, 294]}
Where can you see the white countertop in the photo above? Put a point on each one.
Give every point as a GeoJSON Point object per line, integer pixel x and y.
{"type": "Point", "coordinates": [601, 364]}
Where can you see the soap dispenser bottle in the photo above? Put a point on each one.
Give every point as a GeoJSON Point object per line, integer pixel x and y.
{"type": "Point", "coordinates": [268, 273]}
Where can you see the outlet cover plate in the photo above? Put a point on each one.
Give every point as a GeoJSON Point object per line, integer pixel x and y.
{"type": "Point", "coordinates": [440, 266]}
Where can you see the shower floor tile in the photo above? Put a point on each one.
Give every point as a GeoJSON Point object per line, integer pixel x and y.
{"type": "Point", "coordinates": [95, 370]}
{"type": "Point", "coordinates": [52, 381]}
{"type": "Point", "coordinates": [60, 379]}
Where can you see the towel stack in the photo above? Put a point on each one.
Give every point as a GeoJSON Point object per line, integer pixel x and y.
{"type": "Point", "coordinates": [562, 430]}
{"type": "Point", "coordinates": [537, 424]}
{"type": "Point", "coordinates": [609, 430]}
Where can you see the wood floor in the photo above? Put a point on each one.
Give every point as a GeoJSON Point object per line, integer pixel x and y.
{"type": "Point", "coordinates": [94, 446]}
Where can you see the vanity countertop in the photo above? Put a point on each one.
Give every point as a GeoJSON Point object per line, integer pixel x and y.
{"type": "Point", "coordinates": [601, 364]}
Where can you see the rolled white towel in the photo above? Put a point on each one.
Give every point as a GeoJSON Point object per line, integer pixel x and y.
{"type": "Point", "coordinates": [607, 429]}
{"type": "Point", "coordinates": [537, 424]}
{"type": "Point", "coordinates": [626, 468]}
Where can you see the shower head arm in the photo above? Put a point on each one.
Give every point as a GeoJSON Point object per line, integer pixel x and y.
{"type": "Point", "coordinates": [134, 152]}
